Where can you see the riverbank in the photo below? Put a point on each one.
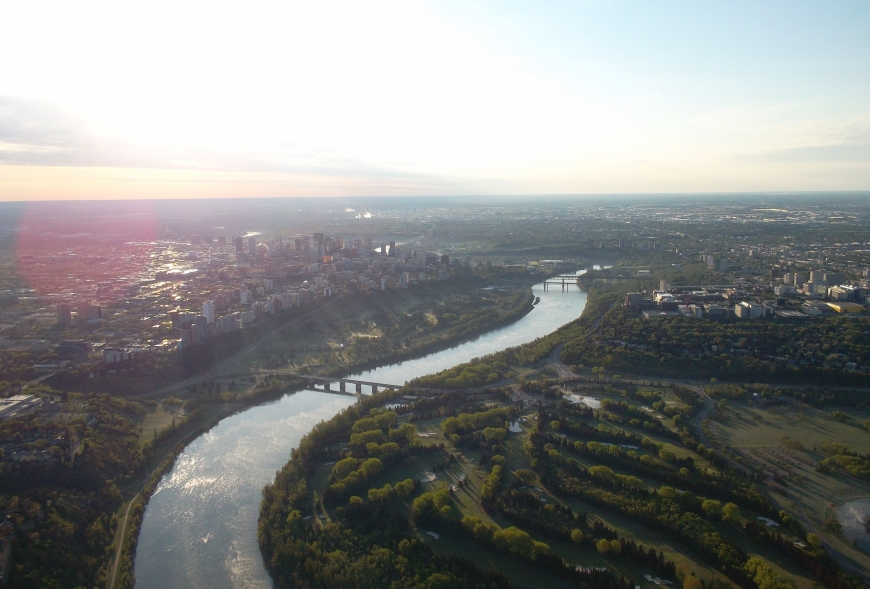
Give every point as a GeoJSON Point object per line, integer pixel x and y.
{"type": "Point", "coordinates": [514, 315]}
{"type": "Point", "coordinates": [214, 536]}
{"type": "Point", "coordinates": [198, 420]}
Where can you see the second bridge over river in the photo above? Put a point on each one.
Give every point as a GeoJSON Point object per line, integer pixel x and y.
{"type": "Point", "coordinates": [348, 386]}
{"type": "Point", "coordinates": [563, 279]}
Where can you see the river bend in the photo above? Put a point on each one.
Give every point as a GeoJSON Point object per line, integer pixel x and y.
{"type": "Point", "coordinates": [200, 526]}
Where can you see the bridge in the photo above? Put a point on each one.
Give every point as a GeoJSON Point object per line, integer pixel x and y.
{"type": "Point", "coordinates": [347, 386]}
{"type": "Point", "coordinates": [563, 279]}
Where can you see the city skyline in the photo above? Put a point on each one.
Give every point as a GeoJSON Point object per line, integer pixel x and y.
{"type": "Point", "coordinates": [196, 101]}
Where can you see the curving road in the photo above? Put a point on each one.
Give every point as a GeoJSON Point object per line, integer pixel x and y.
{"type": "Point", "coordinates": [555, 361]}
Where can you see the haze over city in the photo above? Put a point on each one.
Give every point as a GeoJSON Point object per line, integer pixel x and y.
{"type": "Point", "coordinates": [435, 295]}
{"type": "Point", "coordinates": [166, 100]}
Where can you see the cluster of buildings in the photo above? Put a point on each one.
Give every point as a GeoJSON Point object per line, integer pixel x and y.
{"type": "Point", "coordinates": [84, 313]}
{"type": "Point", "coordinates": [284, 274]}
{"type": "Point", "coordinates": [824, 284]}
{"type": "Point", "coordinates": [179, 292]}
{"type": "Point", "coordinates": [746, 303]}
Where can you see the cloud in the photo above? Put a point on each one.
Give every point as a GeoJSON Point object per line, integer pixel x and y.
{"type": "Point", "coordinates": [846, 153]}
{"type": "Point", "coordinates": [33, 131]}
{"type": "Point", "coordinates": [36, 133]}
{"type": "Point", "coordinates": [845, 141]}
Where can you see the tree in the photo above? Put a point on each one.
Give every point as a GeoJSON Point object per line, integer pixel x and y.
{"type": "Point", "coordinates": [692, 582]}
{"type": "Point", "coordinates": [526, 476]}
{"type": "Point", "coordinates": [712, 508]}
{"type": "Point", "coordinates": [833, 525]}
{"type": "Point", "coordinates": [577, 536]}
{"type": "Point", "coordinates": [730, 512]}
{"type": "Point", "coordinates": [603, 546]}
{"type": "Point", "coordinates": [814, 541]}
{"type": "Point", "coordinates": [764, 576]}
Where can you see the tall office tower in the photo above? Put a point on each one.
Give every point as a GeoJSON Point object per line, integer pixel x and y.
{"type": "Point", "coordinates": [392, 251]}
{"type": "Point", "coordinates": [208, 311]}
{"type": "Point", "coordinates": [64, 314]}
{"type": "Point", "coordinates": [318, 238]}
{"type": "Point", "coordinates": [367, 243]}
{"type": "Point", "coordinates": [252, 246]}
{"type": "Point", "coordinates": [237, 240]}
{"type": "Point", "coordinates": [222, 239]}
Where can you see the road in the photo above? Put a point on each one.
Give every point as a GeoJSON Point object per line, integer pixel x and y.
{"type": "Point", "coordinates": [555, 361]}
{"type": "Point", "coordinates": [709, 407]}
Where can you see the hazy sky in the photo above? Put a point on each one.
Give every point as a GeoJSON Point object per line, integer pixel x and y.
{"type": "Point", "coordinates": [176, 99]}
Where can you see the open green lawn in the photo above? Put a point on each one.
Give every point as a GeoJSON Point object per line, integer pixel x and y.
{"type": "Point", "coordinates": [157, 418]}
{"type": "Point", "coordinates": [751, 426]}
{"type": "Point", "coordinates": [757, 436]}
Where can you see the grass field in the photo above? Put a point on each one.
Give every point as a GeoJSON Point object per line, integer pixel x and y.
{"type": "Point", "coordinates": [784, 443]}
{"type": "Point", "coordinates": [749, 426]}
{"type": "Point", "coordinates": [158, 418]}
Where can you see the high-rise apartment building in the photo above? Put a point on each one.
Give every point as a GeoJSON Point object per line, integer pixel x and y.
{"type": "Point", "coordinates": [208, 311]}
{"type": "Point", "coordinates": [64, 314]}
{"type": "Point", "coordinates": [89, 312]}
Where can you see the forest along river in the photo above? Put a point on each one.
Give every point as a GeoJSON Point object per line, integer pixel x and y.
{"type": "Point", "coordinates": [200, 526]}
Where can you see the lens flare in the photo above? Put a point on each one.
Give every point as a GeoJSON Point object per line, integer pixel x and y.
{"type": "Point", "coordinates": [86, 251]}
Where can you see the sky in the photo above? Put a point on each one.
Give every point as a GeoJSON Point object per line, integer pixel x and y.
{"type": "Point", "coordinates": [178, 99]}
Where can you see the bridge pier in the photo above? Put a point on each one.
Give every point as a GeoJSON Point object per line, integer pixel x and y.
{"type": "Point", "coordinates": [358, 389]}
{"type": "Point", "coordinates": [342, 386]}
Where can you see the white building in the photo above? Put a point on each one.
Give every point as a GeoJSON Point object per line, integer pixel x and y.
{"type": "Point", "coordinates": [208, 311]}
{"type": "Point", "coordinates": [745, 310]}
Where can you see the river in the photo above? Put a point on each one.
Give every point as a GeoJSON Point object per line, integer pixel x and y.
{"type": "Point", "coordinates": [200, 526]}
